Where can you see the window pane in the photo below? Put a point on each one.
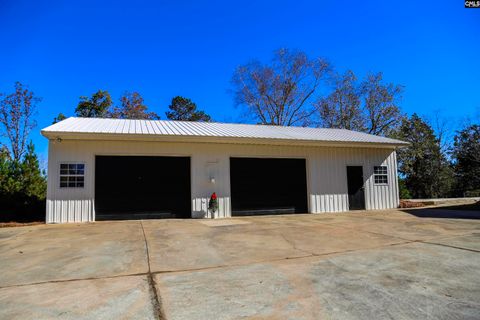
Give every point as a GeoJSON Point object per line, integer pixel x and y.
{"type": "Point", "coordinates": [72, 175]}
{"type": "Point", "coordinates": [380, 179]}
{"type": "Point", "coordinates": [380, 169]}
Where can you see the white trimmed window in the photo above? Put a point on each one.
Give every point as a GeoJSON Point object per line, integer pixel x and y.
{"type": "Point", "coordinates": [380, 174]}
{"type": "Point", "coordinates": [72, 175]}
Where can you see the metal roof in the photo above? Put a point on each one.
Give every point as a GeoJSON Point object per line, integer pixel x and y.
{"type": "Point", "coordinates": [166, 130]}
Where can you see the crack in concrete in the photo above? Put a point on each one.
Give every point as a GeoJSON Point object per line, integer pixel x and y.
{"type": "Point", "coordinates": [450, 246]}
{"type": "Point", "coordinates": [156, 302]}
{"type": "Point", "coordinates": [294, 246]}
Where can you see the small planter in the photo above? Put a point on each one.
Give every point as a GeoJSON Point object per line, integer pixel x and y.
{"type": "Point", "coordinates": [213, 205]}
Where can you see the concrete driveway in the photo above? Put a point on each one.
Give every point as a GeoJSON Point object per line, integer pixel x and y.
{"type": "Point", "coordinates": [363, 265]}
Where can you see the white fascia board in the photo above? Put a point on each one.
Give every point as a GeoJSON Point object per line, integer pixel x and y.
{"type": "Point", "coordinates": [52, 135]}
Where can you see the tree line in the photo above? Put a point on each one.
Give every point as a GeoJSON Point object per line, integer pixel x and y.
{"type": "Point", "coordinates": [23, 185]}
{"type": "Point", "coordinates": [294, 89]}
{"type": "Point", "coordinates": [291, 89]}
{"type": "Point", "coordinates": [132, 106]}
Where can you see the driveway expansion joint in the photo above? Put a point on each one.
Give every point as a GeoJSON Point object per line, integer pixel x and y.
{"type": "Point", "coordinates": [307, 256]}
{"type": "Point", "coordinates": [156, 302]}
{"type": "Point", "coordinates": [73, 280]}
{"type": "Point", "coordinates": [450, 246]}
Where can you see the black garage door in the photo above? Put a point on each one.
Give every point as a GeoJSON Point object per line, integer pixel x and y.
{"type": "Point", "coordinates": [268, 186]}
{"type": "Point", "coordinates": [134, 187]}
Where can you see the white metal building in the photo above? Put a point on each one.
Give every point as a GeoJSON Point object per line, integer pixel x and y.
{"type": "Point", "coordinates": [130, 169]}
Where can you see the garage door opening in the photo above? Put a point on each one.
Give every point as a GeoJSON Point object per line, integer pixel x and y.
{"type": "Point", "coordinates": [268, 186]}
{"type": "Point", "coordinates": [142, 187]}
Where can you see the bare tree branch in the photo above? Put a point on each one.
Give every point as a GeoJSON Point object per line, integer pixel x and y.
{"type": "Point", "coordinates": [16, 117]}
{"type": "Point", "coordinates": [279, 93]}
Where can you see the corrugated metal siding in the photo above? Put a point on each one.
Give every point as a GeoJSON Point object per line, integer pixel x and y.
{"type": "Point", "coordinates": [326, 174]}
{"type": "Point", "coordinates": [165, 128]}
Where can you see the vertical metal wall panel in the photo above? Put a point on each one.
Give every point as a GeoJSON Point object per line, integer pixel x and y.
{"type": "Point", "coordinates": [326, 174]}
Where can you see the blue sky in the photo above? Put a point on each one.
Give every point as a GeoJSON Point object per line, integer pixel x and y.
{"type": "Point", "coordinates": [65, 49]}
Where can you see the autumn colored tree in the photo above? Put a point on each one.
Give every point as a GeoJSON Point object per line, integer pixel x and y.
{"type": "Point", "coordinates": [281, 92]}
{"type": "Point", "coordinates": [184, 109]}
{"type": "Point", "coordinates": [96, 106]}
{"type": "Point", "coordinates": [16, 119]}
{"type": "Point", "coordinates": [132, 107]}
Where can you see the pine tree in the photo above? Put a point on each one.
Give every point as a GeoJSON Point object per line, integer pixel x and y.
{"type": "Point", "coordinates": [33, 181]}
{"type": "Point", "coordinates": [184, 109]}
{"type": "Point", "coordinates": [466, 155]}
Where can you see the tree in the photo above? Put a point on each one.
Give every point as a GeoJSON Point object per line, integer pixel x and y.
{"type": "Point", "coordinates": [380, 104]}
{"type": "Point", "coordinates": [16, 117]}
{"type": "Point", "coordinates": [9, 175]}
{"type": "Point", "coordinates": [443, 130]}
{"type": "Point", "coordinates": [22, 187]}
{"type": "Point", "coordinates": [59, 117]}
{"type": "Point", "coordinates": [466, 156]}
{"type": "Point", "coordinates": [184, 109]}
{"type": "Point", "coordinates": [34, 184]}
{"type": "Point", "coordinates": [281, 92]}
{"type": "Point", "coordinates": [426, 171]}
{"type": "Point", "coordinates": [132, 107]}
{"type": "Point", "coordinates": [94, 107]}
{"type": "Point", "coordinates": [369, 106]}
{"type": "Point", "coordinates": [403, 190]}
{"type": "Point", "coordinates": [341, 108]}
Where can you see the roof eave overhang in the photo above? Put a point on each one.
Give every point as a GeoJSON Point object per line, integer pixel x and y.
{"type": "Point", "coordinates": [52, 135]}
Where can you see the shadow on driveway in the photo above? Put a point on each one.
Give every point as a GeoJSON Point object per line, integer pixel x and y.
{"type": "Point", "coordinates": [465, 211]}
